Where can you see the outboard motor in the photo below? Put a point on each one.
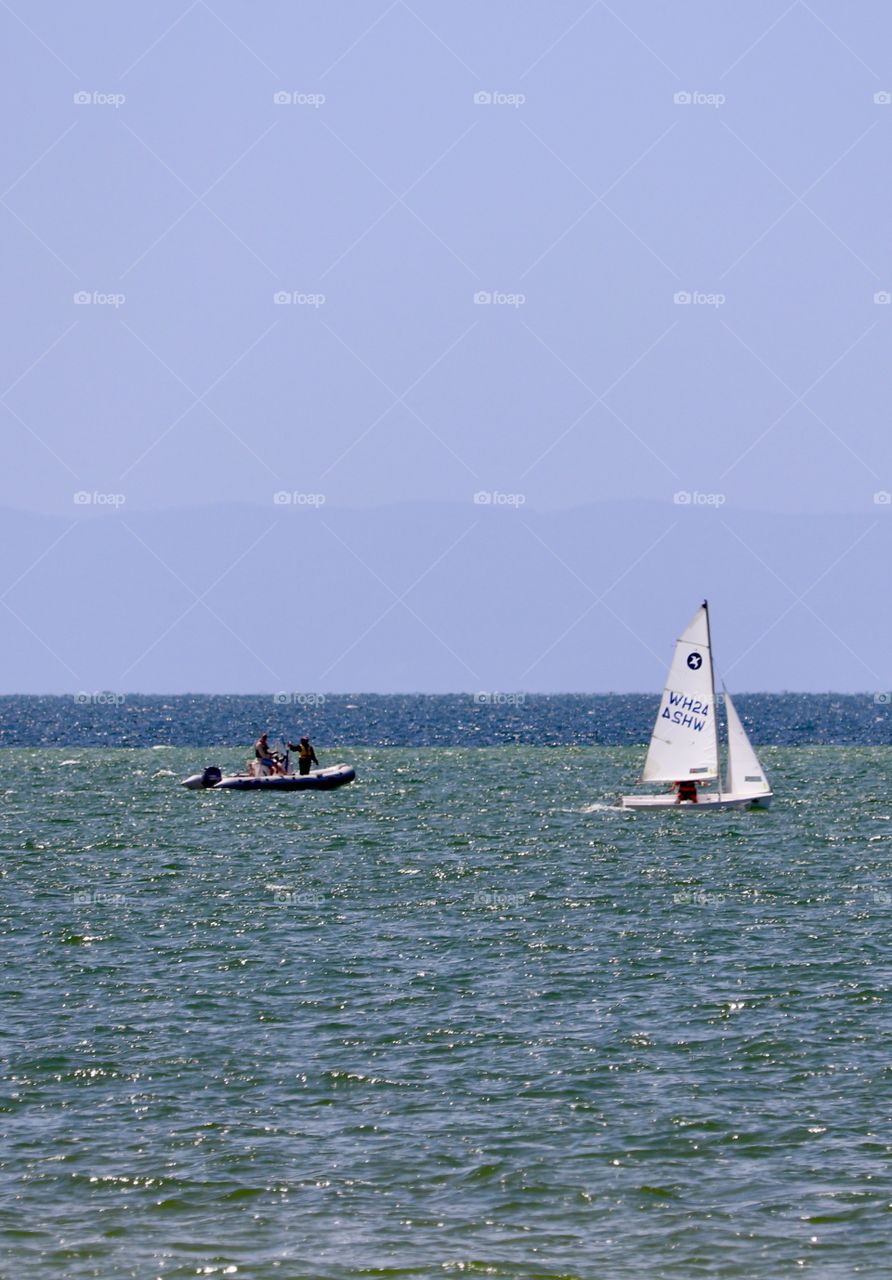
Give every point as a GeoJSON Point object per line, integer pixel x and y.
{"type": "Point", "coordinates": [211, 776]}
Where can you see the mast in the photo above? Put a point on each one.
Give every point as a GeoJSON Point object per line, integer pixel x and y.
{"type": "Point", "coordinates": [715, 705]}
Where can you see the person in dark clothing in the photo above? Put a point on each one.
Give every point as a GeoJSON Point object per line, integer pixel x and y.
{"type": "Point", "coordinates": [306, 756]}
{"type": "Point", "coordinates": [686, 791]}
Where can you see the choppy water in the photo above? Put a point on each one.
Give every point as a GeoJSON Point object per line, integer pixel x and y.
{"type": "Point", "coordinates": [456, 1019]}
{"type": "Point", "coordinates": [421, 720]}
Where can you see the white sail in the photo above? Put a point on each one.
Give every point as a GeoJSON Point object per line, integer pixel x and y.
{"type": "Point", "coordinates": [684, 742]}
{"type": "Point", "coordinates": [746, 777]}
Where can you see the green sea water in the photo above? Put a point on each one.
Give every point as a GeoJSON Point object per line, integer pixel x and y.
{"type": "Point", "coordinates": [459, 1019]}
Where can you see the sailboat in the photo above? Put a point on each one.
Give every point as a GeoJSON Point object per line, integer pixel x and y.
{"type": "Point", "coordinates": [684, 745]}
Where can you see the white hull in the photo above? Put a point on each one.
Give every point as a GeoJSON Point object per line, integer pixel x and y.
{"type": "Point", "coordinates": [668, 801]}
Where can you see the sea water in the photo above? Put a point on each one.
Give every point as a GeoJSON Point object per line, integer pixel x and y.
{"type": "Point", "coordinates": [484, 719]}
{"type": "Point", "coordinates": [461, 1018]}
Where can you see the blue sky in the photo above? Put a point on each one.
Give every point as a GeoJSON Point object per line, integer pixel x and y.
{"type": "Point", "coordinates": [387, 253]}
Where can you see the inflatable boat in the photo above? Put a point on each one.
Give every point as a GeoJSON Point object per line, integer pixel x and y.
{"type": "Point", "coordinates": [316, 780]}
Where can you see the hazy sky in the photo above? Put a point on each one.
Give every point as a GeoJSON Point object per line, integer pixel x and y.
{"type": "Point", "coordinates": [573, 251]}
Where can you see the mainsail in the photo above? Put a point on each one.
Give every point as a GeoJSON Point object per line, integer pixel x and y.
{"type": "Point", "coordinates": [684, 742]}
{"type": "Point", "coordinates": [746, 777]}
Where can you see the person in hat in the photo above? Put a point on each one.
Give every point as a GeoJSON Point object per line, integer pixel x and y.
{"type": "Point", "coordinates": [306, 756]}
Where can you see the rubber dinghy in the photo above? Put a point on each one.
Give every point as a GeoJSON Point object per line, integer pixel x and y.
{"type": "Point", "coordinates": [213, 778]}
{"type": "Point", "coordinates": [684, 745]}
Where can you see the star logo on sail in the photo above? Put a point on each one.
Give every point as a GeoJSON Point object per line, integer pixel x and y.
{"type": "Point", "coordinates": [684, 746]}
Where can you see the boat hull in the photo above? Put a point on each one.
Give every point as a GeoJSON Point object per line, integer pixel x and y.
{"type": "Point", "coordinates": [668, 801]}
{"type": "Point", "coordinates": [337, 775]}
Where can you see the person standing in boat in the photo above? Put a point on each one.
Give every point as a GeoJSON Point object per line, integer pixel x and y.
{"type": "Point", "coordinates": [687, 791]}
{"type": "Point", "coordinates": [306, 756]}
